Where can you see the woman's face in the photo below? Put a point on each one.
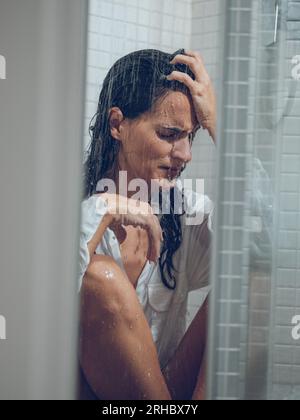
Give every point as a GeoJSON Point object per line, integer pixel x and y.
{"type": "Point", "coordinates": [156, 145]}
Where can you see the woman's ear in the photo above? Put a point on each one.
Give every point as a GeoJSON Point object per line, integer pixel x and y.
{"type": "Point", "coordinates": [116, 118]}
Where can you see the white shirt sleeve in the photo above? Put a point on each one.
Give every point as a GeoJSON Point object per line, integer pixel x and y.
{"type": "Point", "coordinates": [92, 211]}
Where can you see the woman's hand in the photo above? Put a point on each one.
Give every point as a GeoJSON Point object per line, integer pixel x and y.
{"type": "Point", "coordinates": [125, 211]}
{"type": "Point", "coordinates": [201, 89]}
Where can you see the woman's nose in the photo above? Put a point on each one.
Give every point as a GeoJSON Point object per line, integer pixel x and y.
{"type": "Point", "coordinates": [182, 150]}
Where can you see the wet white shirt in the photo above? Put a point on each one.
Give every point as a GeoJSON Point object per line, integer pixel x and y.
{"type": "Point", "coordinates": [164, 309]}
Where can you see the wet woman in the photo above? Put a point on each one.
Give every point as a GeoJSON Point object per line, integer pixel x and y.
{"type": "Point", "coordinates": [137, 267]}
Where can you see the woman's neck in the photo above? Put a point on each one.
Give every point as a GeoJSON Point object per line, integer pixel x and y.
{"type": "Point", "coordinates": [121, 183]}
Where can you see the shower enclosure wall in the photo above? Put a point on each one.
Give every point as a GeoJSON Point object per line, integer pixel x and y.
{"type": "Point", "coordinates": [256, 281]}
{"type": "Point", "coordinates": [41, 120]}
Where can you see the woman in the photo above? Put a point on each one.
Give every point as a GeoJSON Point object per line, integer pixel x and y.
{"type": "Point", "coordinates": [137, 269]}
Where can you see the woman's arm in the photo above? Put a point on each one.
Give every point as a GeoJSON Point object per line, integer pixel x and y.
{"type": "Point", "coordinates": [200, 388]}
{"type": "Point", "coordinates": [96, 239]}
{"type": "Point", "coordinates": [184, 369]}
{"type": "Point", "coordinates": [201, 89]}
{"type": "Point", "coordinates": [122, 211]}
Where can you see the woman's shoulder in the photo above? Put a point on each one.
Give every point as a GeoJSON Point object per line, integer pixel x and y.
{"type": "Point", "coordinates": [94, 204]}
{"type": "Point", "coordinates": [93, 208]}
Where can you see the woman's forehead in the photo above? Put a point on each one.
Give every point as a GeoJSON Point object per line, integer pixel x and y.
{"type": "Point", "coordinates": [176, 110]}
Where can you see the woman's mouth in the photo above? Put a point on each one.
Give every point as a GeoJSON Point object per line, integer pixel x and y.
{"type": "Point", "coordinates": [172, 172]}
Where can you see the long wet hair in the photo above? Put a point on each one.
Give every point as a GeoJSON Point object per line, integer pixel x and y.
{"type": "Point", "coordinates": [134, 84]}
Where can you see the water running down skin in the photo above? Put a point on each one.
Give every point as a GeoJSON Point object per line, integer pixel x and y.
{"type": "Point", "coordinates": [132, 352]}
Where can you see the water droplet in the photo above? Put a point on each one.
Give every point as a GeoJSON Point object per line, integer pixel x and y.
{"type": "Point", "coordinates": [108, 274]}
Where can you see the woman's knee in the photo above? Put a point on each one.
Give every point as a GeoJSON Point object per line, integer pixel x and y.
{"type": "Point", "coordinates": [106, 290]}
{"type": "Point", "coordinates": [102, 268]}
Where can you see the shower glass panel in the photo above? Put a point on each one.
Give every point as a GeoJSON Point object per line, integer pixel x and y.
{"type": "Point", "coordinates": [254, 334]}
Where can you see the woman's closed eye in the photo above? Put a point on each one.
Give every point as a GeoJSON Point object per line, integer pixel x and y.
{"type": "Point", "coordinates": [168, 135]}
{"type": "Point", "coordinates": [175, 136]}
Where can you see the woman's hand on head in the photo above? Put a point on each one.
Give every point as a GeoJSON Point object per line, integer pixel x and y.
{"type": "Point", "coordinates": [201, 89]}
{"type": "Point", "coordinates": [125, 211]}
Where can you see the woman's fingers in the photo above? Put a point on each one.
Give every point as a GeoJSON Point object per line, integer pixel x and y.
{"type": "Point", "coordinates": [155, 239]}
{"type": "Point", "coordinates": [183, 78]}
{"type": "Point", "coordinates": [200, 60]}
{"type": "Point", "coordinates": [196, 88]}
{"type": "Point", "coordinates": [195, 63]}
{"type": "Point", "coordinates": [201, 89]}
{"type": "Point", "coordinates": [154, 232]}
{"type": "Point", "coordinates": [151, 246]}
{"type": "Point", "coordinates": [120, 232]}
{"type": "Point", "coordinates": [134, 213]}
{"type": "Point", "coordinates": [159, 237]}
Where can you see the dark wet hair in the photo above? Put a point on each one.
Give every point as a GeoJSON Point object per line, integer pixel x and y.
{"type": "Point", "coordinates": [134, 84]}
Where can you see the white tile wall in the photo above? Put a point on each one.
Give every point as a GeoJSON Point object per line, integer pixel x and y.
{"type": "Point", "coordinates": [119, 27]}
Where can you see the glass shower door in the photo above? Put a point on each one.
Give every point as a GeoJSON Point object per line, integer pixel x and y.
{"type": "Point", "coordinates": [254, 345]}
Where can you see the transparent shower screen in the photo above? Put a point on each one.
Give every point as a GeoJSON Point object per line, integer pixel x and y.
{"type": "Point", "coordinates": [254, 336]}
